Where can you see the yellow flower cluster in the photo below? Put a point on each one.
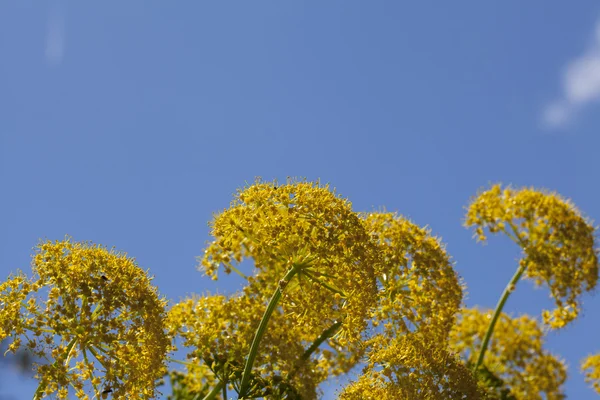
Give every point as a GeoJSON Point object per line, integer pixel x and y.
{"type": "Point", "coordinates": [557, 242]}
{"type": "Point", "coordinates": [328, 288]}
{"type": "Point", "coordinates": [515, 355]}
{"type": "Point", "coordinates": [306, 227]}
{"type": "Point", "coordinates": [194, 382]}
{"type": "Point", "coordinates": [93, 316]}
{"type": "Point", "coordinates": [418, 285]}
{"type": "Point", "coordinates": [419, 295]}
{"type": "Point", "coordinates": [219, 330]}
{"type": "Point", "coordinates": [13, 293]}
{"type": "Point", "coordinates": [591, 367]}
{"type": "Point", "coordinates": [351, 268]}
{"type": "Point", "coordinates": [413, 366]}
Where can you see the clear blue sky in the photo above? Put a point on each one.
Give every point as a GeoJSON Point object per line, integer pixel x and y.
{"type": "Point", "coordinates": [129, 123]}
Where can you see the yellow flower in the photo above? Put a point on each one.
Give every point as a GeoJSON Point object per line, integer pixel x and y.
{"type": "Point", "coordinates": [95, 318]}
{"type": "Point", "coordinates": [307, 227]}
{"type": "Point", "coordinates": [13, 293]}
{"type": "Point", "coordinates": [515, 354]}
{"type": "Point", "coordinates": [351, 268]}
{"type": "Point", "coordinates": [591, 367]}
{"type": "Point", "coordinates": [418, 285]}
{"type": "Point", "coordinates": [195, 381]}
{"type": "Point", "coordinates": [412, 366]}
{"type": "Point", "coordinates": [557, 242]}
{"type": "Point", "coordinates": [218, 330]}
{"type": "Point", "coordinates": [419, 295]}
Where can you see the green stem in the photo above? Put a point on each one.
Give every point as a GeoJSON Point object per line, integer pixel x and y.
{"type": "Point", "coordinates": [488, 335]}
{"type": "Point", "coordinates": [516, 238]}
{"type": "Point", "coordinates": [85, 357]}
{"type": "Point", "coordinates": [70, 351]}
{"type": "Point", "coordinates": [84, 303]}
{"type": "Point", "coordinates": [213, 393]}
{"type": "Point", "coordinates": [260, 331]}
{"type": "Point", "coordinates": [327, 333]}
{"type": "Point", "coordinates": [234, 269]}
{"type": "Point", "coordinates": [35, 328]}
{"type": "Point", "coordinates": [507, 291]}
{"type": "Point", "coordinates": [186, 363]}
{"type": "Point", "coordinates": [316, 280]}
{"type": "Point", "coordinates": [96, 312]}
{"type": "Point", "coordinates": [98, 357]}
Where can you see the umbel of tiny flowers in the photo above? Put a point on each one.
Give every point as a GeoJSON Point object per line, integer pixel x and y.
{"type": "Point", "coordinates": [303, 237]}
{"type": "Point", "coordinates": [419, 294]}
{"type": "Point", "coordinates": [417, 282]}
{"type": "Point", "coordinates": [93, 316]}
{"type": "Point", "coordinates": [558, 247]}
{"type": "Point", "coordinates": [591, 368]}
{"type": "Point", "coordinates": [413, 366]}
{"type": "Point", "coordinates": [314, 261]}
{"type": "Point", "coordinates": [515, 356]}
{"type": "Point", "coordinates": [314, 257]}
{"type": "Point", "coordinates": [218, 331]}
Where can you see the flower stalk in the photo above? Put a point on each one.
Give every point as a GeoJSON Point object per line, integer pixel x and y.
{"type": "Point", "coordinates": [262, 327]}
{"type": "Point", "coordinates": [499, 307]}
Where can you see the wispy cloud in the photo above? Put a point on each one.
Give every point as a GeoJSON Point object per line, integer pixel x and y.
{"type": "Point", "coordinates": [55, 36]}
{"type": "Point", "coordinates": [580, 83]}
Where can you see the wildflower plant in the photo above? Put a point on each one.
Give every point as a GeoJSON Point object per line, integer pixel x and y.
{"type": "Point", "coordinates": [313, 284]}
{"type": "Point", "coordinates": [93, 319]}
{"type": "Point", "coordinates": [334, 286]}
{"type": "Point", "coordinates": [325, 289]}
{"type": "Point", "coordinates": [305, 239]}
{"type": "Point", "coordinates": [557, 242]}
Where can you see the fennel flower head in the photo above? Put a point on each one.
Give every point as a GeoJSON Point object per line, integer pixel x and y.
{"type": "Point", "coordinates": [419, 295]}
{"type": "Point", "coordinates": [93, 320]}
{"type": "Point", "coordinates": [418, 287]}
{"type": "Point", "coordinates": [590, 366]}
{"type": "Point", "coordinates": [306, 227]}
{"type": "Point", "coordinates": [413, 366]}
{"type": "Point", "coordinates": [217, 332]}
{"type": "Point", "coordinates": [516, 355]}
{"type": "Point", "coordinates": [557, 242]}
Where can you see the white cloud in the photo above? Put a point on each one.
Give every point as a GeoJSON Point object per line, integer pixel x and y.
{"type": "Point", "coordinates": [55, 37]}
{"type": "Point", "coordinates": [581, 85]}
{"type": "Point", "coordinates": [557, 114]}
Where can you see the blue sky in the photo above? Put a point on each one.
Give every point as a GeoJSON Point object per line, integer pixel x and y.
{"type": "Point", "coordinates": [129, 123]}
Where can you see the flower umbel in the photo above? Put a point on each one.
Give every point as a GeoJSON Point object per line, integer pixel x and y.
{"type": "Point", "coordinates": [418, 285]}
{"type": "Point", "coordinates": [515, 355]}
{"type": "Point", "coordinates": [591, 367]}
{"type": "Point", "coordinates": [218, 331]}
{"type": "Point", "coordinates": [413, 366]}
{"type": "Point", "coordinates": [93, 316]}
{"type": "Point", "coordinates": [557, 242]}
{"type": "Point", "coordinates": [13, 294]}
{"type": "Point", "coordinates": [305, 226]}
